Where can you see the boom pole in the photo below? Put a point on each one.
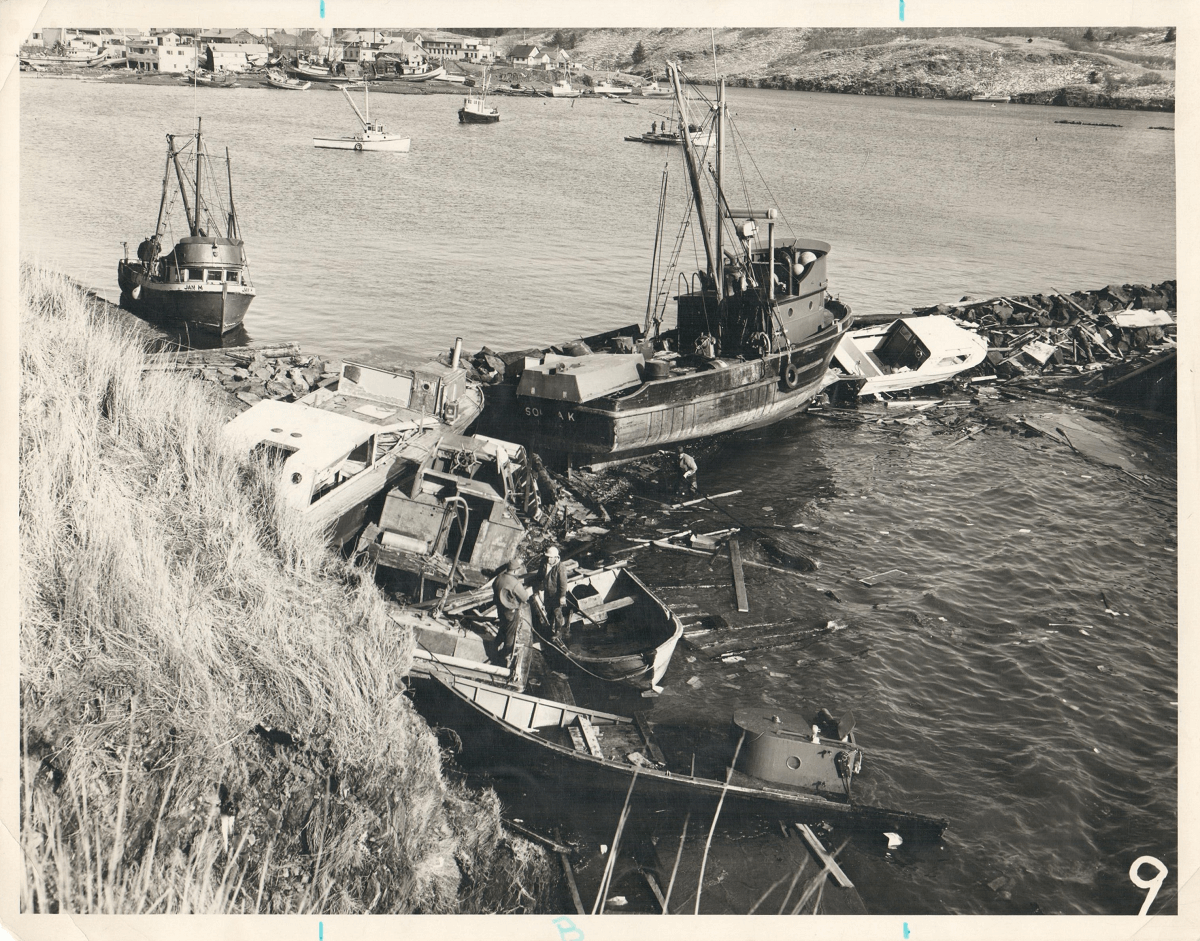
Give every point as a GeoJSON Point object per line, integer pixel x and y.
{"type": "Point", "coordinates": [694, 176]}
{"type": "Point", "coordinates": [196, 227]}
{"type": "Point", "coordinates": [162, 204]}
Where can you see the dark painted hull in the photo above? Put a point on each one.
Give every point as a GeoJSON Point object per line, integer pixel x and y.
{"type": "Point", "coordinates": [488, 743]}
{"type": "Point", "coordinates": [203, 306]}
{"type": "Point", "coordinates": [662, 412]}
{"type": "Point", "coordinates": [472, 117]}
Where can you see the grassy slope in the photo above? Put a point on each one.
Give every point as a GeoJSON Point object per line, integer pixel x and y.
{"type": "Point", "coordinates": [166, 610]}
{"type": "Point", "coordinates": [956, 62]}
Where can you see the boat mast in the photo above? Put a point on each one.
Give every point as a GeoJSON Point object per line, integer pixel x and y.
{"type": "Point", "coordinates": [162, 204]}
{"type": "Point", "coordinates": [720, 189]}
{"type": "Point", "coordinates": [196, 227]}
{"type": "Point", "coordinates": [233, 226]}
{"type": "Point", "coordinates": [694, 176]}
{"type": "Point", "coordinates": [183, 191]}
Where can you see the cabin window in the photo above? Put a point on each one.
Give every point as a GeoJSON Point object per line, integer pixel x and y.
{"type": "Point", "coordinates": [274, 454]}
{"type": "Point", "coordinates": [193, 274]}
{"type": "Point", "coordinates": [213, 275]}
{"type": "Point", "coordinates": [902, 349]}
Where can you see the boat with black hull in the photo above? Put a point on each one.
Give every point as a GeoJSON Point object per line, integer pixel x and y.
{"type": "Point", "coordinates": [204, 281]}
{"type": "Point", "coordinates": [779, 762]}
{"type": "Point", "coordinates": [754, 334]}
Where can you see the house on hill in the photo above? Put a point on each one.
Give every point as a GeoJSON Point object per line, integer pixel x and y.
{"type": "Point", "coordinates": [531, 56]}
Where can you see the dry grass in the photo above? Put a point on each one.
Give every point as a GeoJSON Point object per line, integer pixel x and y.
{"type": "Point", "coordinates": [168, 609]}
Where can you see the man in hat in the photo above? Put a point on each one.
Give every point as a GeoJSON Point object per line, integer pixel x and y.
{"type": "Point", "coordinates": [553, 583]}
{"type": "Point", "coordinates": [512, 604]}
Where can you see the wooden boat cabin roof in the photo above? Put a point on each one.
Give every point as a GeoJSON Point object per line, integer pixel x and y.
{"type": "Point", "coordinates": [321, 438]}
{"type": "Point", "coordinates": [937, 332]}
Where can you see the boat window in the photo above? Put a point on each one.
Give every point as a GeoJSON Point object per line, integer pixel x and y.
{"type": "Point", "coordinates": [901, 349]}
{"type": "Point", "coordinates": [274, 454]}
{"type": "Point", "coordinates": [193, 274]}
{"type": "Point", "coordinates": [213, 275]}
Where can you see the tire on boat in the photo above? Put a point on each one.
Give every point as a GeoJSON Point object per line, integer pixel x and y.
{"type": "Point", "coordinates": [358, 146]}
{"type": "Point", "coordinates": [791, 376]}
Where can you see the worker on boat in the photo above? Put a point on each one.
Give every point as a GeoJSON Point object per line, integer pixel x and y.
{"type": "Point", "coordinates": [687, 471]}
{"type": "Point", "coordinates": [511, 596]}
{"type": "Point", "coordinates": [552, 581]}
{"type": "Point", "coordinates": [653, 127]}
{"type": "Point", "coordinates": [149, 249]}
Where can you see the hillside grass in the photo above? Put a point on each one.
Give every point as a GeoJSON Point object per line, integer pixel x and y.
{"type": "Point", "coordinates": [213, 709]}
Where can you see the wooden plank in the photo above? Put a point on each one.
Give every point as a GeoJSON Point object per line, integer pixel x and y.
{"type": "Point", "coordinates": [653, 883]}
{"type": "Point", "coordinates": [822, 854]}
{"type": "Point", "coordinates": [575, 897]}
{"type": "Point", "coordinates": [576, 738]}
{"type": "Point", "coordinates": [643, 725]}
{"type": "Point", "coordinates": [739, 577]}
{"type": "Point", "coordinates": [590, 737]}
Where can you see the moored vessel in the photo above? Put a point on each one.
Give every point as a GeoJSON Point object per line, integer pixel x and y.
{"type": "Point", "coordinates": [371, 135]}
{"type": "Point", "coordinates": [204, 281]}
{"type": "Point", "coordinates": [476, 110]}
{"type": "Point", "coordinates": [276, 78]}
{"type": "Point", "coordinates": [755, 330]}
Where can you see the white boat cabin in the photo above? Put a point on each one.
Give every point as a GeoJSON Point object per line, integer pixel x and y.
{"type": "Point", "coordinates": [909, 352]}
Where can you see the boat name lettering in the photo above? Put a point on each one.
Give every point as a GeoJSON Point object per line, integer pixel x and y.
{"type": "Point", "coordinates": [567, 930]}
{"type": "Point", "coordinates": [532, 411]}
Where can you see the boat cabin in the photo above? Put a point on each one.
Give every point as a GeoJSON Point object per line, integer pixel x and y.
{"type": "Point", "coordinates": [423, 394]}
{"type": "Point", "coordinates": [908, 352]}
{"type": "Point", "coordinates": [454, 513]}
{"type": "Point", "coordinates": [203, 259]}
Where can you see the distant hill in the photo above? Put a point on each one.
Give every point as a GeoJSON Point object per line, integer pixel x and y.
{"type": "Point", "coordinates": [1118, 67]}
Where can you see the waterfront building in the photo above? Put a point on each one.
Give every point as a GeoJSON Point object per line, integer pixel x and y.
{"type": "Point", "coordinates": [528, 55]}
{"type": "Point", "coordinates": [164, 52]}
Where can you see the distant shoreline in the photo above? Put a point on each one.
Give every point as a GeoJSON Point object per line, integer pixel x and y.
{"type": "Point", "coordinates": [1066, 97]}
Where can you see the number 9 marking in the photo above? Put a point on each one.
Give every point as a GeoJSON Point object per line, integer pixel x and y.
{"type": "Point", "coordinates": [1153, 884]}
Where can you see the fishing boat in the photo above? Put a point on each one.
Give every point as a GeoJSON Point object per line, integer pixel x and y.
{"type": "Point", "coordinates": [776, 762]}
{"type": "Point", "coordinates": [371, 136]}
{"type": "Point", "coordinates": [609, 90]}
{"type": "Point", "coordinates": [754, 333]}
{"type": "Point", "coordinates": [476, 110]}
{"type": "Point", "coordinates": [563, 89]}
{"type": "Point", "coordinates": [617, 628]}
{"type": "Point", "coordinates": [206, 79]}
{"type": "Point", "coordinates": [338, 450]}
{"type": "Point", "coordinates": [456, 514]}
{"type": "Point", "coordinates": [279, 79]}
{"type": "Point", "coordinates": [204, 281]}
{"type": "Point", "coordinates": [306, 70]}
{"type": "Point", "coordinates": [654, 90]}
{"type": "Point", "coordinates": [907, 353]}
{"type": "Point", "coordinates": [700, 138]}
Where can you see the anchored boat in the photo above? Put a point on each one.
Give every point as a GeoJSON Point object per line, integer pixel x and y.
{"type": "Point", "coordinates": [563, 89]}
{"type": "Point", "coordinates": [371, 136]}
{"type": "Point", "coordinates": [204, 282]}
{"type": "Point", "coordinates": [476, 110]}
{"type": "Point", "coordinates": [754, 334]}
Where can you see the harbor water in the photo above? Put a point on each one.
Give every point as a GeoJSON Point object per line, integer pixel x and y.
{"type": "Point", "coordinates": [1014, 668]}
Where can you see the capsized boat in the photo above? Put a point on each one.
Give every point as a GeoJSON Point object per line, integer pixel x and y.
{"type": "Point", "coordinates": [204, 281]}
{"type": "Point", "coordinates": [476, 110]}
{"type": "Point", "coordinates": [278, 79]}
{"type": "Point", "coordinates": [338, 450]}
{"type": "Point", "coordinates": [456, 514]}
{"type": "Point", "coordinates": [779, 763]}
{"type": "Point", "coordinates": [617, 630]}
{"type": "Point", "coordinates": [371, 136]}
{"type": "Point", "coordinates": [754, 334]}
{"type": "Point", "coordinates": [907, 353]}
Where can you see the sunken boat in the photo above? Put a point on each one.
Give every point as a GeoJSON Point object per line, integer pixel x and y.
{"type": "Point", "coordinates": [754, 334]}
{"type": "Point", "coordinates": [204, 281]}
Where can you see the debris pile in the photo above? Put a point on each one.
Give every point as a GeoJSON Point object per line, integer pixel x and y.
{"type": "Point", "coordinates": [251, 374]}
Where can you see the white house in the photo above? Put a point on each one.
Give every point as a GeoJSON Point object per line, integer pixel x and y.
{"type": "Point", "coordinates": [161, 53]}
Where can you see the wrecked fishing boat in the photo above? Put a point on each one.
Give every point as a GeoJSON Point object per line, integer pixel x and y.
{"type": "Point", "coordinates": [617, 628]}
{"type": "Point", "coordinates": [907, 353]}
{"type": "Point", "coordinates": [467, 648]}
{"type": "Point", "coordinates": [754, 334]}
{"type": "Point", "coordinates": [204, 281]}
{"type": "Point", "coordinates": [337, 450]}
{"type": "Point", "coordinates": [778, 762]}
{"type": "Point", "coordinates": [456, 514]}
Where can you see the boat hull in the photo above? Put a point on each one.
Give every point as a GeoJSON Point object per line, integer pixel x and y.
{"type": "Point", "coordinates": [395, 145]}
{"type": "Point", "coordinates": [472, 709]}
{"type": "Point", "coordinates": [212, 307]}
{"type": "Point", "coordinates": [662, 412]}
{"type": "Point", "coordinates": [474, 117]}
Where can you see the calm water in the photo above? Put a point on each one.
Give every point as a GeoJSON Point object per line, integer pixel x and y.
{"type": "Point", "coordinates": [990, 683]}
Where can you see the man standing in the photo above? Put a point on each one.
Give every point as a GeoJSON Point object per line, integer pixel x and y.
{"type": "Point", "coordinates": [553, 583]}
{"type": "Point", "coordinates": [512, 604]}
{"type": "Point", "coordinates": [687, 471]}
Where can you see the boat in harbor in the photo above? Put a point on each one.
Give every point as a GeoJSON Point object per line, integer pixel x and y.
{"type": "Point", "coordinates": [617, 629]}
{"type": "Point", "coordinates": [907, 353]}
{"type": "Point", "coordinates": [339, 450]}
{"type": "Point", "coordinates": [609, 90]}
{"type": "Point", "coordinates": [700, 138]}
{"type": "Point", "coordinates": [371, 136]}
{"type": "Point", "coordinates": [204, 281]}
{"type": "Point", "coordinates": [476, 110]}
{"type": "Point", "coordinates": [276, 78]}
{"type": "Point", "coordinates": [563, 89]}
{"type": "Point", "coordinates": [776, 763]}
{"type": "Point", "coordinates": [654, 90]}
{"type": "Point", "coordinates": [754, 334]}
{"type": "Point", "coordinates": [456, 514]}
{"type": "Point", "coordinates": [306, 70]}
{"type": "Point", "coordinates": [205, 79]}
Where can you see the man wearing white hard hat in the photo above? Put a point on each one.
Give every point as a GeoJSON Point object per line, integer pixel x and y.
{"type": "Point", "coordinates": [553, 583]}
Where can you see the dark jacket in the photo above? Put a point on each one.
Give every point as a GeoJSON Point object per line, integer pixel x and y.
{"type": "Point", "coordinates": [553, 579]}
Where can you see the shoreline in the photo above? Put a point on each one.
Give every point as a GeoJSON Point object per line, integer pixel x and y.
{"type": "Point", "coordinates": [1068, 96]}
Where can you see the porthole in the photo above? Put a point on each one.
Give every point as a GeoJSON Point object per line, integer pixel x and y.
{"type": "Point", "coordinates": [790, 312]}
{"type": "Point", "coordinates": [276, 431]}
{"type": "Point", "coordinates": [793, 763]}
{"type": "Point", "coordinates": [296, 478]}
{"type": "Point", "coordinates": [810, 305]}
{"type": "Point", "coordinates": [296, 434]}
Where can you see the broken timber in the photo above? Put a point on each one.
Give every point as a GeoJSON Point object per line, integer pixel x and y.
{"type": "Point", "coordinates": [739, 577]}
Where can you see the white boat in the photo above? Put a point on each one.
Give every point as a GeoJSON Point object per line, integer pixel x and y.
{"type": "Point", "coordinates": [654, 90]}
{"type": "Point", "coordinates": [562, 89]}
{"type": "Point", "coordinates": [907, 353]}
{"type": "Point", "coordinates": [372, 135]}
{"type": "Point", "coordinates": [476, 110]}
{"type": "Point", "coordinates": [278, 79]}
{"type": "Point", "coordinates": [608, 89]}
